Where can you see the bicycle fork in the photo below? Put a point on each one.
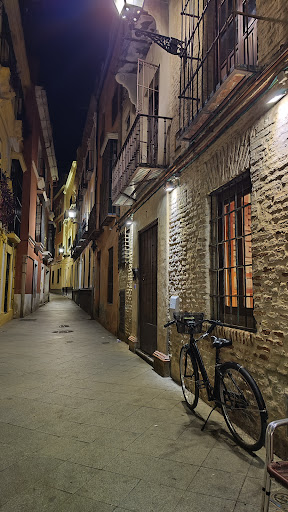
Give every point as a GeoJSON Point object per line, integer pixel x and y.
{"type": "Point", "coordinates": [213, 393]}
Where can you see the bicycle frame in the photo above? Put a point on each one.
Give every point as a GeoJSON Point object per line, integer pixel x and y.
{"type": "Point", "coordinates": [212, 391]}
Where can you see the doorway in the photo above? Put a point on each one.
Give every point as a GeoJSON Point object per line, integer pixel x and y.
{"type": "Point", "coordinates": [148, 240]}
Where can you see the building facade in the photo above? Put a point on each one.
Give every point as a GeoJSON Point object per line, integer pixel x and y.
{"type": "Point", "coordinates": [190, 182]}
{"type": "Point", "coordinates": [65, 223]}
{"type": "Point", "coordinates": [28, 171]}
{"type": "Point", "coordinates": [218, 114]}
{"type": "Point", "coordinates": [36, 248]}
{"type": "Point", "coordinates": [84, 244]}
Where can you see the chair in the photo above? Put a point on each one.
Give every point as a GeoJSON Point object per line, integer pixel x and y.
{"type": "Point", "coordinates": [276, 470]}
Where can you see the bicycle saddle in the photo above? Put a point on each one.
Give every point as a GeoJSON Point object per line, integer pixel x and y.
{"type": "Point", "coordinates": [220, 342]}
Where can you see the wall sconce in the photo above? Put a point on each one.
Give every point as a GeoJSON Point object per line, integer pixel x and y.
{"type": "Point", "coordinates": [277, 96]}
{"type": "Point", "coordinates": [122, 6]}
{"type": "Point", "coordinates": [172, 183]}
{"type": "Point", "coordinates": [279, 87]}
{"type": "Point", "coordinates": [131, 10]}
{"type": "Point", "coordinates": [129, 222]}
{"type": "Point", "coordinates": [72, 214]}
{"type": "Point", "coordinates": [169, 186]}
{"type": "Point", "coordinates": [61, 250]}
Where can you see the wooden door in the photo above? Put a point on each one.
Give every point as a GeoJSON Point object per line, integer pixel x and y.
{"type": "Point", "coordinates": [148, 288]}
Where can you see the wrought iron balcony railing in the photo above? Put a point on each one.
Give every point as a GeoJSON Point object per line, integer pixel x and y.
{"type": "Point", "coordinates": [221, 52]}
{"type": "Point", "coordinates": [142, 158]}
{"type": "Point", "coordinates": [87, 231]}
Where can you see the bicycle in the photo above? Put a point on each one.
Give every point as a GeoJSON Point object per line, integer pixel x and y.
{"type": "Point", "coordinates": [234, 391]}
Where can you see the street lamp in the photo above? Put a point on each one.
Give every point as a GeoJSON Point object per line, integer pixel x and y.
{"type": "Point", "coordinates": [132, 10]}
{"type": "Point", "coordinates": [72, 214]}
{"type": "Point", "coordinates": [123, 6]}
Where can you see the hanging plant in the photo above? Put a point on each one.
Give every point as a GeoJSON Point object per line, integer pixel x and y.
{"type": "Point", "coordinates": [7, 203]}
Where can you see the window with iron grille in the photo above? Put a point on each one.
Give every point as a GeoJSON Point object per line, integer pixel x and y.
{"type": "Point", "coordinates": [17, 182]}
{"type": "Point", "coordinates": [231, 254]}
{"type": "Point", "coordinates": [110, 276]}
{"type": "Point", "coordinates": [123, 248]}
{"type": "Point", "coordinates": [89, 269]}
{"type": "Point", "coordinates": [108, 160]}
{"type": "Point", "coordinates": [115, 105]}
{"type": "Point", "coordinates": [38, 225]}
{"type": "Point", "coordinates": [219, 37]}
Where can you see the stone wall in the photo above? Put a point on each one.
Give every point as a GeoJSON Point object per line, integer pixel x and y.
{"type": "Point", "coordinates": [126, 283]}
{"type": "Point", "coordinates": [262, 147]}
{"type": "Point", "coordinates": [271, 34]}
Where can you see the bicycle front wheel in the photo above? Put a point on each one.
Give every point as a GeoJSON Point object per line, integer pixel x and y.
{"type": "Point", "coordinates": [243, 406]}
{"type": "Point", "coordinates": [189, 377]}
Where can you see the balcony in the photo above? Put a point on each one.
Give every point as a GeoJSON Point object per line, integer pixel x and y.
{"type": "Point", "coordinates": [15, 224]}
{"type": "Point", "coordinates": [87, 231]}
{"type": "Point", "coordinates": [142, 159]}
{"type": "Point", "coordinates": [221, 56]}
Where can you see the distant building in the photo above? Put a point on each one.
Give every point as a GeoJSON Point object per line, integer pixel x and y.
{"type": "Point", "coordinates": [61, 274]}
{"type": "Point", "coordinates": [28, 172]}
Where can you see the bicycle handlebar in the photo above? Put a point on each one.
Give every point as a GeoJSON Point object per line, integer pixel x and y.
{"type": "Point", "coordinates": [170, 323]}
{"type": "Point", "coordinates": [213, 325]}
{"type": "Point", "coordinates": [191, 323]}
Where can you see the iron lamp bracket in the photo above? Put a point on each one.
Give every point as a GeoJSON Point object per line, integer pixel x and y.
{"type": "Point", "coordinates": [169, 44]}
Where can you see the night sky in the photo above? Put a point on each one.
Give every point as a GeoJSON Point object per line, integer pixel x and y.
{"type": "Point", "coordinates": [67, 40]}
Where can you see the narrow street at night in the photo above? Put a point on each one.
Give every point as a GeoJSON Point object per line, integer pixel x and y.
{"type": "Point", "coordinates": [143, 256]}
{"type": "Point", "coordinates": [86, 425]}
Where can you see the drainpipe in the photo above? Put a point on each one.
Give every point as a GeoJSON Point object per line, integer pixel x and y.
{"type": "Point", "coordinates": [23, 284]}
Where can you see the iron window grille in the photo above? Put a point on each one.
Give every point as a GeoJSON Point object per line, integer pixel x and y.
{"type": "Point", "coordinates": [231, 254]}
{"type": "Point", "coordinates": [108, 161]}
{"type": "Point", "coordinates": [110, 276]}
{"type": "Point", "coordinates": [123, 248]}
{"type": "Point", "coordinates": [219, 37]}
{"type": "Point", "coordinates": [115, 105]}
{"type": "Point", "coordinates": [17, 183]}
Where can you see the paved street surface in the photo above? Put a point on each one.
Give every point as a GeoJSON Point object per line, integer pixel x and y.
{"type": "Point", "coordinates": [85, 425]}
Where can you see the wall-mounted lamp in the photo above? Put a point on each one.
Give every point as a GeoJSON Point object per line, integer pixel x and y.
{"type": "Point", "coordinates": [169, 186]}
{"type": "Point", "coordinates": [133, 5]}
{"type": "Point", "coordinates": [72, 214]}
{"type": "Point", "coordinates": [61, 250]}
{"type": "Point", "coordinates": [132, 10]}
{"type": "Point", "coordinates": [172, 183]}
{"type": "Point", "coordinates": [277, 96]}
{"type": "Point", "coordinates": [129, 222]}
{"type": "Point", "coordinates": [279, 87]}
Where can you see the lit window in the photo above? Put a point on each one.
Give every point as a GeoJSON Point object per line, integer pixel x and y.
{"type": "Point", "coordinates": [232, 287]}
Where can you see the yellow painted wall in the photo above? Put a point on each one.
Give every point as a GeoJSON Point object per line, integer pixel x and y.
{"type": "Point", "coordinates": [5, 249]}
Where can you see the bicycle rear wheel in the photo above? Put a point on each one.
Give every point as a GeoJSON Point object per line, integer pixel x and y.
{"type": "Point", "coordinates": [189, 377]}
{"type": "Point", "coordinates": [243, 406]}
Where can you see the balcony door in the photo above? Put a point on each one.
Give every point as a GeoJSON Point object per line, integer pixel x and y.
{"type": "Point", "coordinates": [148, 239]}
{"type": "Point", "coordinates": [153, 112]}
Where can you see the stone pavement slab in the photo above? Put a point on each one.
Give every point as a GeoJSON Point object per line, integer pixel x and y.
{"type": "Point", "coordinates": [85, 426]}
